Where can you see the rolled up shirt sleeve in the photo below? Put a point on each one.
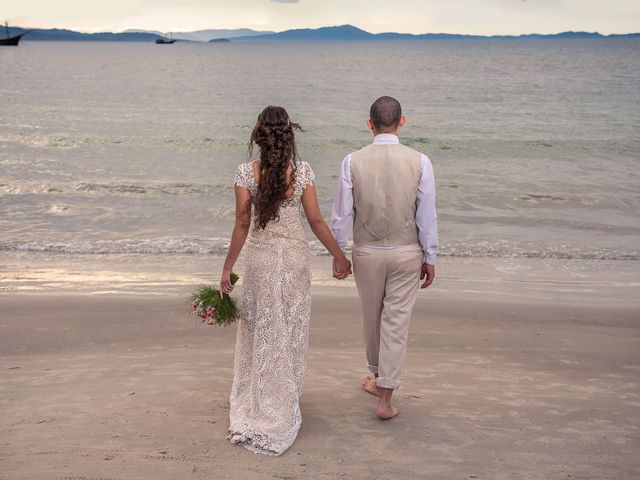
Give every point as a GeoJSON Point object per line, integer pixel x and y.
{"type": "Point", "coordinates": [426, 216]}
{"type": "Point", "coordinates": [342, 214]}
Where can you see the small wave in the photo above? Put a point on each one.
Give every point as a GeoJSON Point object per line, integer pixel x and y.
{"type": "Point", "coordinates": [62, 142]}
{"type": "Point", "coordinates": [151, 188]}
{"type": "Point", "coordinates": [111, 188]}
{"type": "Point", "coordinates": [218, 246]}
{"type": "Point", "coordinates": [49, 141]}
{"type": "Point", "coordinates": [36, 139]}
{"type": "Point", "coordinates": [539, 143]}
{"type": "Point", "coordinates": [417, 141]}
{"type": "Point", "coordinates": [535, 197]}
{"type": "Point", "coordinates": [182, 246]}
{"type": "Point", "coordinates": [507, 250]}
{"type": "Point", "coordinates": [15, 162]}
{"type": "Point", "coordinates": [29, 188]}
{"type": "Point", "coordinates": [115, 189]}
{"type": "Point", "coordinates": [502, 250]}
{"type": "Point", "coordinates": [59, 209]}
{"type": "Point", "coordinates": [578, 200]}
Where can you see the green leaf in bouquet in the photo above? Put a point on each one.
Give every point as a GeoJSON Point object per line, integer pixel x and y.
{"type": "Point", "coordinates": [207, 295]}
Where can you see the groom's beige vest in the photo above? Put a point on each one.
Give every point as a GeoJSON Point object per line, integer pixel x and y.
{"type": "Point", "coordinates": [385, 182]}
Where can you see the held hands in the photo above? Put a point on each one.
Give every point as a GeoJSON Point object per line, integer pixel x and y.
{"type": "Point", "coordinates": [428, 273]}
{"type": "Point", "coordinates": [341, 268]}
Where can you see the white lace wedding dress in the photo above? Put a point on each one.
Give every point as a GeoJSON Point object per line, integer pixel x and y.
{"type": "Point", "coordinates": [273, 330]}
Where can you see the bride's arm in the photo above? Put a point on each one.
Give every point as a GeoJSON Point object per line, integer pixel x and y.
{"type": "Point", "coordinates": [322, 232]}
{"type": "Point", "coordinates": [238, 237]}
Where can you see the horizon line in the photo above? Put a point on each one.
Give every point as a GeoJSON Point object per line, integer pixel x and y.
{"type": "Point", "coordinates": [268, 32]}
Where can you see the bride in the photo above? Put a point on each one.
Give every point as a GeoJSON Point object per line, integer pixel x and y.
{"type": "Point", "coordinates": [273, 330]}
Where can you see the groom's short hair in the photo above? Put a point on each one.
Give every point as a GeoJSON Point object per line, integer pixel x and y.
{"type": "Point", "coordinates": [386, 113]}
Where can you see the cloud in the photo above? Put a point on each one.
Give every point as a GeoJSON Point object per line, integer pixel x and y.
{"type": "Point", "coordinates": [285, 1]}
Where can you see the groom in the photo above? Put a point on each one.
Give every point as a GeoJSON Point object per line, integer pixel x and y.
{"type": "Point", "coordinates": [386, 195]}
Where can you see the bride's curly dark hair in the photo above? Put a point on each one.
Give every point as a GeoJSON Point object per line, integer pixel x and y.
{"type": "Point", "coordinates": [274, 134]}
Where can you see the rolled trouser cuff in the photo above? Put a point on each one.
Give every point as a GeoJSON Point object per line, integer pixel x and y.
{"type": "Point", "coordinates": [386, 382]}
{"type": "Point", "coordinates": [373, 369]}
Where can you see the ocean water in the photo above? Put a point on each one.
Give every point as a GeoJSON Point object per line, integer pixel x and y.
{"type": "Point", "coordinates": [130, 149]}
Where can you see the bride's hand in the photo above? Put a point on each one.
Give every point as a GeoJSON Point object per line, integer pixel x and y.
{"type": "Point", "coordinates": [225, 282]}
{"type": "Point", "coordinates": [341, 268]}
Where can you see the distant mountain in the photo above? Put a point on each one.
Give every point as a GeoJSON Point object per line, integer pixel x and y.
{"type": "Point", "coordinates": [324, 34]}
{"type": "Point", "coordinates": [70, 35]}
{"type": "Point", "coordinates": [206, 35]}
{"type": "Point", "coordinates": [349, 33]}
{"type": "Point", "coordinates": [624, 35]}
{"type": "Point", "coordinates": [565, 35]}
{"type": "Point", "coordinates": [343, 33]}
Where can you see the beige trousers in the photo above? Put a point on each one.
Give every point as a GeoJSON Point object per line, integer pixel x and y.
{"type": "Point", "coordinates": [387, 282]}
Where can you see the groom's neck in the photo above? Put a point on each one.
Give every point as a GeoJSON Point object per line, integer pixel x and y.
{"type": "Point", "coordinates": [388, 132]}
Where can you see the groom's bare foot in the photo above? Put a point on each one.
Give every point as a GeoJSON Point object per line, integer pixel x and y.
{"type": "Point", "coordinates": [369, 384]}
{"type": "Point", "coordinates": [385, 412]}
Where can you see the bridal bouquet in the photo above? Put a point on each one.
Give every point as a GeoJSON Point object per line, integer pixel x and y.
{"type": "Point", "coordinates": [212, 308]}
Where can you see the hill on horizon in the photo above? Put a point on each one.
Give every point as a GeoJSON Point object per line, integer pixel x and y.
{"type": "Point", "coordinates": [341, 33]}
{"type": "Point", "coordinates": [346, 33]}
{"type": "Point", "coordinates": [61, 34]}
{"type": "Point", "coordinates": [209, 34]}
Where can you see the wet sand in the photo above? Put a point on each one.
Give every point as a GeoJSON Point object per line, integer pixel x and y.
{"type": "Point", "coordinates": [124, 387]}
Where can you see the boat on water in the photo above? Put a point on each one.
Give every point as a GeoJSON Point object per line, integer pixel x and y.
{"type": "Point", "coordinates": [165, 40]}
{"type": "Point", "coordinates": [11, 41]}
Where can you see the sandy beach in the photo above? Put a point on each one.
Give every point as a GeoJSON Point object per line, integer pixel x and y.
{"type": "Point", "coordinates": [503, 387]}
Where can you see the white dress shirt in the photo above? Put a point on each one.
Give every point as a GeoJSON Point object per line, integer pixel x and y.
{"type": "Point", "coordinates": [426, 217]}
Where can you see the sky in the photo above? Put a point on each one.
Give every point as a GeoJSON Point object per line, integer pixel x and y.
{"type": "Point", "coordinates": [484, 17]}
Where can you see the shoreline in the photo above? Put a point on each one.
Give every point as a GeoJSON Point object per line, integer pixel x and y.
{"type": "Point", "coordinates": [533, 280]}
